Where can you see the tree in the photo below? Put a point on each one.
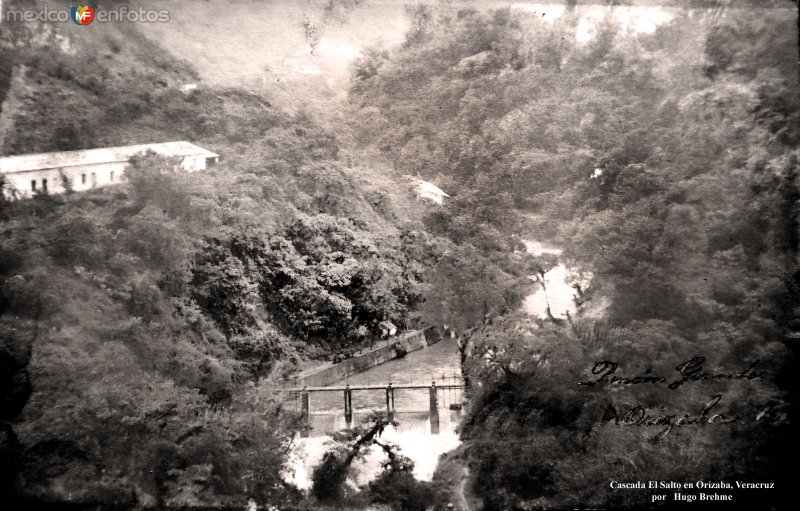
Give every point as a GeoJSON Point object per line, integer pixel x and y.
{"type": "Point", "coordinates": [330, 475]}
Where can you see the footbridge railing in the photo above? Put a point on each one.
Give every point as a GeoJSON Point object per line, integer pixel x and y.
{"type": "Point", "coordinates": [347, 392]}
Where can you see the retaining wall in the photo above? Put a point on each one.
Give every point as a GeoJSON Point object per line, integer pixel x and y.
{"type": "Point", "coordinates": [329, 373]}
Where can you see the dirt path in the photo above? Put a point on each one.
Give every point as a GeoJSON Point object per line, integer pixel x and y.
{"type": "Point", "coordinates": [463, 503]}
{"type": "Point", "coordinates": [462, 498]}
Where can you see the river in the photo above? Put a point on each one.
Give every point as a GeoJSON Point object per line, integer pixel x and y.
{"type": "Point", "coordinates": [440, 363]}
{"type": "Point", "coordinates": [559, 289]}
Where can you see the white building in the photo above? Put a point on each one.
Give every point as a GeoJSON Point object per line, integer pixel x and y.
{"type": "Point", "coordinates": [29, 174]}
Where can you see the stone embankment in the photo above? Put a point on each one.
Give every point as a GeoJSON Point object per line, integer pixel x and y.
{"type": "Point", "coordinates": [329, 373]}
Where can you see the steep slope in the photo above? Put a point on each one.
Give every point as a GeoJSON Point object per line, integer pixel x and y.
{"type": "Point", "coordinates": [668, 166]}
{"type": "Point", "coordinates": [143, 326]}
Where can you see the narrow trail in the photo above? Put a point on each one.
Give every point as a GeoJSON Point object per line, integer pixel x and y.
{"type": "Point", "coordinates": [463, 504]}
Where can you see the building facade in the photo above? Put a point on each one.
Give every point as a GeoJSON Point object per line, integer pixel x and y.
{"type": "Point", "coordinates": [31, 174]}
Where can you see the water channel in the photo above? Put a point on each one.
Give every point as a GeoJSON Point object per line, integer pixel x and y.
{"type": "Point", "coordinates": [558, 291]}
{"type": "Point", "coordinates": [438, 363]}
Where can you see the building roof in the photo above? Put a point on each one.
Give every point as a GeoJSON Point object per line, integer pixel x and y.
{"type": "Point", "coordinates": [42, 161]}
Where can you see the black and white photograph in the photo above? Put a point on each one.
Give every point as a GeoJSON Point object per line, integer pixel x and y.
{"type": "Point", "coordinates": [399, 255]}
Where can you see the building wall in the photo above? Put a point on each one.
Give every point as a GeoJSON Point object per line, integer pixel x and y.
{"type": "Point", "coordinates": [194, 163]}
{"type": "Point", "coordinates": [82, 177]}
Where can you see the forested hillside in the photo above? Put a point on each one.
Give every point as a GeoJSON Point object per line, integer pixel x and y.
{"type": "Point", "coordinates": [664, 163]}
{"type": "Point", "coordinates": [143, 327]}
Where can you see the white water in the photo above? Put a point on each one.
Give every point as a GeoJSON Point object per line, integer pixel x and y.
{"type": "Point", "coordinates": [558, 288]}
{"type": "Point", "coordinates": [413, 434]}
{"type": "Point", "coordinates": [437, 362]}
{"type": "Point", "coordinates": [416, 443]}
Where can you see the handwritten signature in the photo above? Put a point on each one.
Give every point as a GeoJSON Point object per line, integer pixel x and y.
{"type": "Point", "coordinates": [689, 371]}
{"type": "Point", "coordinates": [638, 416]}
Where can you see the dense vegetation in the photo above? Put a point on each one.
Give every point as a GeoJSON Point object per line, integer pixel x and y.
{"type": "Point", "coordinates": [143, 328]}
{"type": "Point", "coordinates": [664, 163]}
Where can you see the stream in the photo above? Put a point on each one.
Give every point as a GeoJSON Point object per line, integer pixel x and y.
{"type": "Point", "coordinates": [558, 290]}
{"type": "Point", "coordinates": [440, 363]}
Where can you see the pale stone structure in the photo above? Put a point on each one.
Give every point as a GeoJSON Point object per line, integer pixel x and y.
{"type": "Point", "coordinates": [29, 174]}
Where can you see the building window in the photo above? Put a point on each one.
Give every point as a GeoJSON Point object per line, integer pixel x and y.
{"type": "Point", "coordinates": [94, 178]}
{"type": "Point", "coordinates": [33, 185]}
{"type": "Point", "coordinates": [83, 179]}
{"type": "Point", "coordinates": [111, 176]}
{"type": "Point", "coordinates": [44, 185]}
